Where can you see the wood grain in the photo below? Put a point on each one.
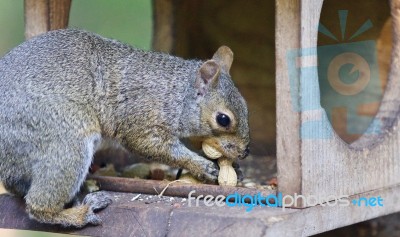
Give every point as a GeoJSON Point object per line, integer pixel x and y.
{"type": "Point", "coordinates": [128, 217]}
{"type": "Point", "coordinates": [44, 15]}
{"type": "Point", "coordinates": [288, 121]}
{"type": "Point", "coordinates": [163, 26]}
{"type": "Point", "coordinates": [309, 162]}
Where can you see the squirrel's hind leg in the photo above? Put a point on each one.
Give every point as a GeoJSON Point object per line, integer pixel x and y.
{"type": "Point", "coordinates": [56, 181]}
{"type": "Point", "coordinates": [77, 216]}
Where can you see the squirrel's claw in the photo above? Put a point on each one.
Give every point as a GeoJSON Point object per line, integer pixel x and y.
{"type": "Point", "coordinates": [97, 201]}
{"type": "Point", "coordinates": [93, 219]}
{"type": "Point", "coordinates": [210, 171]}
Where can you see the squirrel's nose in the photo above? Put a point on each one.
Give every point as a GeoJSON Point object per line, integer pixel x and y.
{"type": "Point", "coordinates": [245, 153]}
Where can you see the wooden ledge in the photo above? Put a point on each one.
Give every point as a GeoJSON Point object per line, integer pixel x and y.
{"type": "Point", "coordinates": [148, 215]}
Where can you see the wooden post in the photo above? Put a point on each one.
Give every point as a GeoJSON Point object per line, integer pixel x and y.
{"type": "Point", "coordinates": [44, 15]}
{"type": "Point", "coordinates": [288, 139]}
{"type": "Point", "coordinates": [163, 25]}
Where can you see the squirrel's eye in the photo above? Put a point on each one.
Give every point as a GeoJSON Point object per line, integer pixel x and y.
{"type": "Point", "coordinates": [223, 120]}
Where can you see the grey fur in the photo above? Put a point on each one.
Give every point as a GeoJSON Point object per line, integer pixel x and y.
{"type": "Point", "coordinates": [62, 92]}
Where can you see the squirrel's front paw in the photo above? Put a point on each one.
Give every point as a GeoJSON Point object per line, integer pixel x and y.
{"type": "Point", "coordinates": [206, 170]}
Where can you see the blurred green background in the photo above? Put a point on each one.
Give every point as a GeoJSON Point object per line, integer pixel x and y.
{"type": "Point", "coordinates": [28, 233]}
{"type": "Point", "coordinates": [129, 21]}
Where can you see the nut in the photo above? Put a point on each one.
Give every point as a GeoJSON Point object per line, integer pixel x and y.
{"type": "Point", "coordinates": [210, 151]}
{"type": "Point", "coordinates": [227, 174]}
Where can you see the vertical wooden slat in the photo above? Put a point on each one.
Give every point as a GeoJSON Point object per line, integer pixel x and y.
{"type": "Point", "coordinates": [59, 14]}
{"type": "Point", "coordinates": [163, 25]}
{"type": "Point", "coordinates": [44, 15]}
{"type": "Point", "coordinates": [36, 17]}
{"type": "Point", "coordinates": [288, 120]}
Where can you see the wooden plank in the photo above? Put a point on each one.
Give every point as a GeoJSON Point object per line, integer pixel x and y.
{"type": "Point", "coordinates": [148, 216]}
{"type": "Point", "coordinates": [59, 14]}
{"type": "Point", "coordinates": [44, 15]}
{"type": "Point", "coordinates": [330, 166]}
{"type": "Point", "coordinates": [288, 120]}
{"type": "Point", "coordinates": [318, 219]}
{"type": "Point", "coordinates": [312, 159]}
{"type": "Point", "coordinates": [36, 17]}
{"type": "Point", "coordinates": [163, 25]}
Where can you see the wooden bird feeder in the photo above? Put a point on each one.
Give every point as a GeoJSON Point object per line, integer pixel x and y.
{"type": "Point", "coordinates": [309, 161]}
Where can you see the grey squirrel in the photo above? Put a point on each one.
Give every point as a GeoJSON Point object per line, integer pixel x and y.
{"type": "Point", "coordinates": [64, 91]}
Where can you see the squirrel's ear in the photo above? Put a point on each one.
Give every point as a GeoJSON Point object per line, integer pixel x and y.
{"type": "Point", "coordinates": [208, 76]}
{"type": "Point", "coordinates": [224, 57]}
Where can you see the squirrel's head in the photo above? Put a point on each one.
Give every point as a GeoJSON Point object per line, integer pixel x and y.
{"type": "Point", "coordinates": [223, 111]}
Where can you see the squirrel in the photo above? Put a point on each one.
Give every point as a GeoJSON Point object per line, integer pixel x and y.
{"type": "Point", "coordinates": [63, 92]}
